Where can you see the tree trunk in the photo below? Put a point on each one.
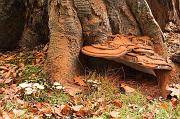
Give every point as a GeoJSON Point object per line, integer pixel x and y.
{"type": "Point", "coordinates": [166, 11]}
{"type": "Point", "coordinates": [36, 24]}
{"type": "Point", "coordinates": [11, 23]}
{"type": "Point", "coordinates": [95, 22]}
{"type": "Point", "coordinates": [65, 41]}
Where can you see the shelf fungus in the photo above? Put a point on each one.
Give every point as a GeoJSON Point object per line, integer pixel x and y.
{"type": "Point", "coordinates": [134, 51]}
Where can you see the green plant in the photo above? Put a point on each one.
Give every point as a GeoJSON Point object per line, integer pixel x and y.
{"type": "Point", "coordinates": [35, 74]}
{"type": "Point", "coordinates": [9, 105]}
{"type": "Point", "coordinates": [58, 98]}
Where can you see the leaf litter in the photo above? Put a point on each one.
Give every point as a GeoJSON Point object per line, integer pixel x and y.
{"type": "Point", "coordinates": [28, 95]}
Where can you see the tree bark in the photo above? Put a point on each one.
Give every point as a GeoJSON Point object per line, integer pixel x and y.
{"type": "Point", "coordinates": [166, 11]}
{"type": "Point", "coordinates": [95, 22]}
{"type": "Point", "coordinates": [11, 23]}
{"type": "Point", "coordinates": [65, 41]}
{"type": "Point", "coordinates": [36, 24]}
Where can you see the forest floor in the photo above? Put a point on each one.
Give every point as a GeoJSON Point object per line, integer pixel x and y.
{"type": "Point", "coordinates": [26, 92]}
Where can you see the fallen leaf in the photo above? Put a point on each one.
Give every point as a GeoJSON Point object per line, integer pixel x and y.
{"type": "Point", "coordinates": [77, 108]}
{"type": "Point", "coordinates": [1, 90]}
{"type": "Point", "coordinates": [66, 109]}
{"type": "Point", "coordinates": [72, 90]}
{"type": "Point", "coordinates": [114, 114]}
{"type": "Point", "coordinates": [117, 103]}
{"type": "Point", "coordinates": [79, 81]}
{"type": "Point", "coordinates": [174, 102]}
{"type": "Point", "coordinates": [57, 111]}
{"type": "Point", "coordinates": [19, 101]}
{"type": "Point", "coordinates": [82, 112]}
{"type": "Point", "coordinates": [5, 115]}
{"type": "Point", "coordinates": [127, 88]}
{"type": "Point", "coordinates": [10, 57]}
{"type": "Point", "coordinates": [164, 106]}
{"type": "Point", "coordinates": [7, 74]}
{"type": "Point", "coordinates": [4, 68]}
{"type": "Point", "coordinates": [9, 80]}
{"type": "Point", "coordinates": [149, 98]}
{"type": "Point", "coordinates": [18, 113]}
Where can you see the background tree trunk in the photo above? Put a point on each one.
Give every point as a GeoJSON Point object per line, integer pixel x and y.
{"type": "Point", "coordinates": [11, 22]}
{"type": "Point", "coordinates": [36, 29]}
{"type": "Point", "coordinates": [166, 11]}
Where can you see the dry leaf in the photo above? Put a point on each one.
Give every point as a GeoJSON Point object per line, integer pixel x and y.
{"type": "Point", "coordinates": [18, 113]}
{"type": "Point", "coordinates": [57, 111]}
{"type": "Point", "coordinates": [4, 68]}
{"type": "Point", "coordinates": [114, 114]}
{"type": "Point", "coordinates": [77, 108]}
{"type": "Point", "coordinates": [127, 88]}
{"type": "Point", "coordinates": [79, 81]}
{"type": "Point", "coordinates": [164, 106]}
{"type": "Point", "coordinates": [82, 112]}
{"type": "Point", "coordinates": [19, 101]}
{"type": "Point", "coordinates": [66, 109]}
{"type": "Point", "coordinates": [117, 103]}
{"type": "Point", "coordinates": [7, 74]}
{"type": "Point", "coordinates": [174, 102]}
{"type": "Point", "coordinates": [5, 115]}
{"type": "Point", "coordinates": [72, 90]}
{"type": "Point", "coordinates": [1, 81]}
{"type": "Point", "coordinates": [7, 81]}
{"type": "Point", "coordinates": [10, 57]}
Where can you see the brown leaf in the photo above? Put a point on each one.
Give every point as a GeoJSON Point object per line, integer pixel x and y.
{"type": "Point", "coordinates": [117, 103]}
{"type": "Point", "coordinates": [18, 113]}
{"type": "Point", "coordinates": [149, 98]}
{"type": "Point", "coordinates": [10, 57]}
{"type": "Point", "coordinates": [66, 109]}
{"type": "Point", "coordinates": [4, 68]}
{"type": "Point", "coordinates": [7, 74]}
{"type": "Point", "coordinates": [57, 111]}
{"type": "Point", "coordinates": [5, 115]}
{"type": "Point", "coordinates": [9, 80]}
{"type": "Point", "coordinates": [1, 81]}
{"type": "Point", "coordinates": [82, 112]}
{"type": "Point", "coordinates": [72, 90]}
{"type": "Point", "coordinates": [174, 102]}
{"type": "Point", "coordinates": [46, 111]}
{"type": "Point", "coordinates": [1, 90]}
{"type": "Point", "coordinates": [77, 108]}
{"type": "Point", "coordinates": [19, 101]}
{"type": "Point", "coordinates": [127, 88]}
{"type": "Point", "coordinates": [79, 81]}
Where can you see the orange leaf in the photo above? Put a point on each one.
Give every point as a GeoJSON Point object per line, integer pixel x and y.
{"type": "Point", "coordinates": [117, 103]}
{"type": "Point", "coordinates": [19, 101]}
{"type": "Point", "coordinates": [79, 81]}
{"type": "Point", "coordinates": [57, 111]}
{"type": "Point", "coordinates": [164, 106]}
{"type": "Point", "coordinates": [174, 102]}
{"type": "Point", "coordinates": [66, 110]}
{"type": "Point", "coordinates": [9, 80]}
{"type": "Point", "coordinates": [8, 74]}
{"type": "Point", "coordinates": [4, 68]}
{"type": "Point", "coordinates": [82, 112]}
